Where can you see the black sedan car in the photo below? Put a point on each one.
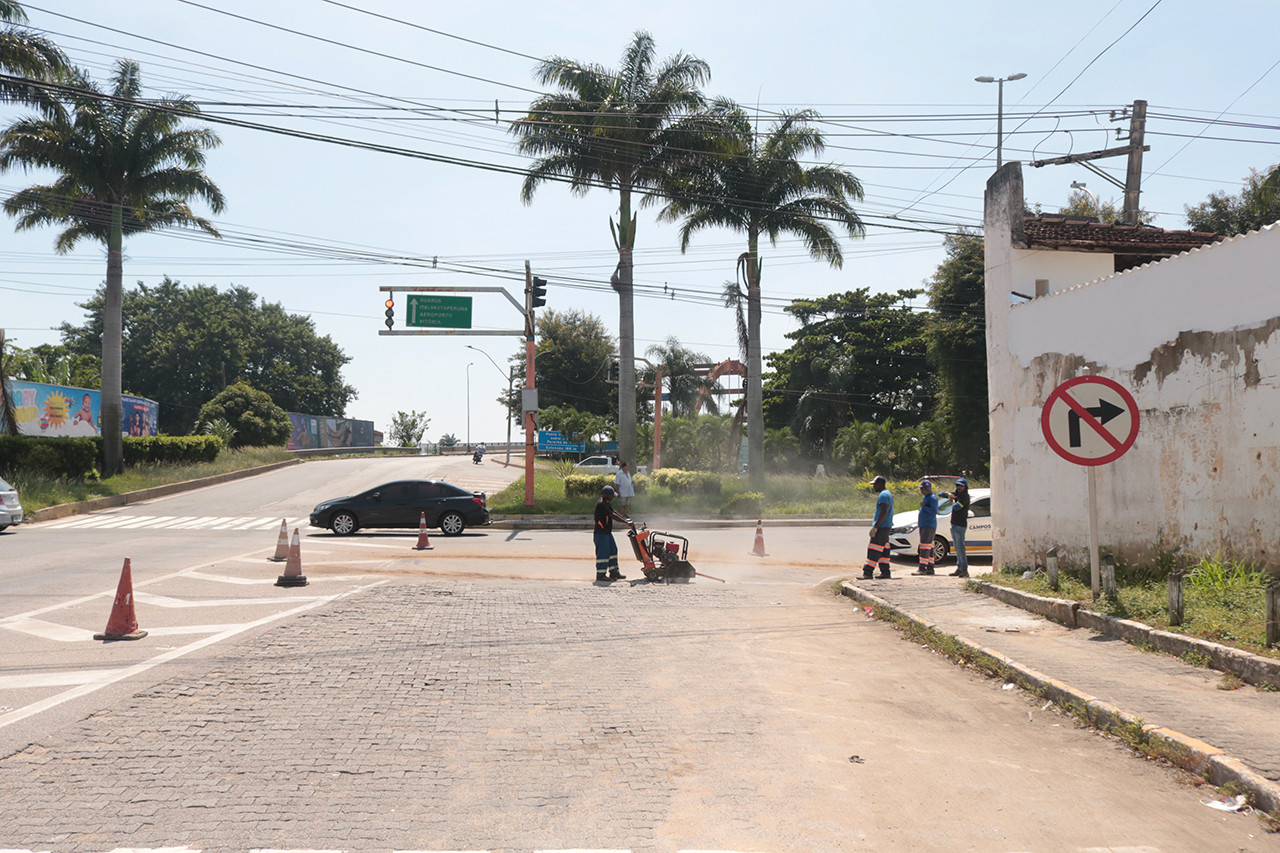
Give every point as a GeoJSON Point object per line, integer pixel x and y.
{"type": "Point", "coordinates": [401, 504]}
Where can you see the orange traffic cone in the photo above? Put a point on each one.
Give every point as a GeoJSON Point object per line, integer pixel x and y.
{"type": "Point", "coordinates": [424, 543]}
{"type": "Point", "coordinates": [123, 624]}
{"type": "Point", "coordinates": [282, 544]}
{"type": "Point", "coordinates": [293, 575]}
{"type": "Point", "coordinates": [757, 550]}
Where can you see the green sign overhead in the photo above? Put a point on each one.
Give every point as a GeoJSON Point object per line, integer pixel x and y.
{"type": "Point", "coordinates": [426, 310]}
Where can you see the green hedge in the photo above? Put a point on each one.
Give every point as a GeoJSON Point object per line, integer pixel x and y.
{"type": "Point", "coordinates": [74, 458]}
{"type": "Point", "coordinates": [80, 458]}
{"type": "Point", "coordinates": [171, 449]}
{"type": "Point", "coordinates": [589, 485]}
{"type": "Point", "coordinates": [687, 482]}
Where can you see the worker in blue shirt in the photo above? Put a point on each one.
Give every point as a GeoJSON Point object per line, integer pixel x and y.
{"type": "Point", "coordinates": [927, 526]}
{"type": "Point", "coordinates": [881, 525]}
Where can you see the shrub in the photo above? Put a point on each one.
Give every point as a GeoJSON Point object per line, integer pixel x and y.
{"type": "Point", "coordinates": [258, 422]}
{"type": "Point", "coordinates": [744, 505]}
{"type": "Point", "coordinates": [687, 482]}
{"type": "Point", "coordinates": [586, 485]}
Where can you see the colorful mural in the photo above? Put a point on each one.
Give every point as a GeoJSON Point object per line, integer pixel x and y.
{"type": "Point", "coordinates": [57, 410]}
{"type": "Point", "coordinates": [313, 431]}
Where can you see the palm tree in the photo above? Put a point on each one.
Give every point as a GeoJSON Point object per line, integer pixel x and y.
{"type": "Point", "coordinates": [761, 187]}
{"type": "Point", "coordinates": [26, 54]}
{"type": "Point", "coordinates": [123, 167]}
{"type": "Point", "coordinates": [623, 130]}
{"type": "Point", "coordinates": [679, 368]}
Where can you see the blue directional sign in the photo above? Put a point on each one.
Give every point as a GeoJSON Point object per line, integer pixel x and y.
{"type": "Point", "coordinates": [551, 441]}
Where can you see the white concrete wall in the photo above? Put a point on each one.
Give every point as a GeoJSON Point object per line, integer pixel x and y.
{"type": "Point", "coordinates": [1194, 338]}
{"type": "Point", "coordinates": [1060, 268]}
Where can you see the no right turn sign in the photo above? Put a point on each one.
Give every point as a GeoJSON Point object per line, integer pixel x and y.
{"type": "Point", "coordinates": [1090, 420]}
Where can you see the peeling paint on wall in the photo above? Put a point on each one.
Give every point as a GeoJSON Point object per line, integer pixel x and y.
{"type": "Point", "coordinates": [1237, 348]}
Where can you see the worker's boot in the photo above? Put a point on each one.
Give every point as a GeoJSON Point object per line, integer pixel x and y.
{"type": "Point", "coordinates": [616, 575]}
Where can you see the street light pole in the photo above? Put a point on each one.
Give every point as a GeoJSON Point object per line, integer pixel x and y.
{"type": "Point", "coordinates": [1000, 111]}
{"type": "Point", "coordinates": [511, 381]}
{"type": "Point", "coordinates": [469, 405]}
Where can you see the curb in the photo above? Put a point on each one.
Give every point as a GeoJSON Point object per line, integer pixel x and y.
{"type": "Point", "coordinates": [1184, 751]}
{"type": "Point", "coordinates": [1249, 667]}
{"type": "Point", "coordinates": [57, 511]}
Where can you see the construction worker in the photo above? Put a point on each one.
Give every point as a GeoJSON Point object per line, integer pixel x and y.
{"type": "Point", "coordinates": [881, 525]}
{"type": "Point", "coordinates": [927, 526]}
{"type": "Point", "coordinates": [606, 548]}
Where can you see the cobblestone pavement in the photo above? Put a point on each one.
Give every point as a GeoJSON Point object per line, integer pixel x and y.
{"type": "Point", "coordinates": [522, 716]}
{"type": "Point", "coordinates": [1160, 689]}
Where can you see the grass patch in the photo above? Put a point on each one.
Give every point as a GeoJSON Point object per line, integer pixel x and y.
{"type": "Point", "coordinates": [783, 496]}
{"type": "Point", "coordinates": [1223, 601]}
{"type": "Point", "coordinates": [38, 492]}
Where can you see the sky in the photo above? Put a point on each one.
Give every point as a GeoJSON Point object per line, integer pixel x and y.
{"type": "Point", "coordinates": [320, 226]}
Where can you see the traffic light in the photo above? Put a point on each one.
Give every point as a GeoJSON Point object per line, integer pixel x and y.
{"type": "Point", "coordinates": [391, 311]}
{"type": "Point", "coordinates": [539, 295]}
{"type": "Point", "coordinates": [613, 371]}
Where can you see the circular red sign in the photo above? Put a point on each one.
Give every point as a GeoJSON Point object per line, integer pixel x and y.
{"type": "Point", "coordinates": [1090, 420]}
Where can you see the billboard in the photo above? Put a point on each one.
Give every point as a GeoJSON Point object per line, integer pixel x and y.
{"type": "Point", "coordinates": [313, 431]}
{"type": "Point", "coordinates": [60, 410]}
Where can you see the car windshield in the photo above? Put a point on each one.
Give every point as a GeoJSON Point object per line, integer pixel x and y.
{"type": "Point", "coordinates": [5, 487]}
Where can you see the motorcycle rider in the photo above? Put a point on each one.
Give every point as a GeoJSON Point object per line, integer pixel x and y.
{"type": "Point", "coordinates": [479, 454]}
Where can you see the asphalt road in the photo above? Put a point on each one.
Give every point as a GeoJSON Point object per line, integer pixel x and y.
{"type": "Point", "coordinates": [485, 695]}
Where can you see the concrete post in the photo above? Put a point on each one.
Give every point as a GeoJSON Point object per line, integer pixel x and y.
{"type": "Point", "coordinates": [1051, 565]}
{"type": "Point", "coordinates": [1175, 598]}
{"type": "Point", "coordinates": [1108, 566]}
{"type": "Point", "coordinates": [1273, 614]}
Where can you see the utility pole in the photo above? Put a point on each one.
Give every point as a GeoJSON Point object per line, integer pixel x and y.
{"type": "Point", "coordinates": [1133, 178]}
{"type": "Point", "coordinates": [1132, 185]}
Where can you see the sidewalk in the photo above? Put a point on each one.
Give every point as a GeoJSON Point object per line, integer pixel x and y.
{"type": "Point", "coordinates": [1156, 702]}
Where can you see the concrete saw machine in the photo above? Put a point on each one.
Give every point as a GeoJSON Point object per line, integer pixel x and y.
{"type": "Point", "coordinates": [663, 556]}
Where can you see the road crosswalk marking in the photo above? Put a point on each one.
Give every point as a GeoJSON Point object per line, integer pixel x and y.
{"type": "Point", "coordinates": [312, 850]}
{"type": "Point", "coordinates": [119, 521]}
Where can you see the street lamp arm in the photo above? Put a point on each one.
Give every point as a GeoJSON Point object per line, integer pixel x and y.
{"type": "Point", "coordinates": [486, 355]}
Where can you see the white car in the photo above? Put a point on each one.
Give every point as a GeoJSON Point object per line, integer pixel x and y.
{"type": "Point", "coordinates": [10, 509]}
{"type": "Point", "coordinates": [596, 465]}
{"type": "Point", "coordinates": [905, 537]}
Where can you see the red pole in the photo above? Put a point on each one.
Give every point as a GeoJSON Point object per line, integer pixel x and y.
{"type": "Point", "coordinates": [530, 446]}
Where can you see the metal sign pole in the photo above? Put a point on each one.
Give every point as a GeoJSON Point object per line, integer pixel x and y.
{"type": "Point", "coordinates": [1095, 573]}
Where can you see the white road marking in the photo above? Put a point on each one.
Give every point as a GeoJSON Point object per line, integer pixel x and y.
{"type": "Point", "coordinates": [576, 849]}
{"type": "Point", "coordinates": [54, 679]}
{"type": "Point", "coordinates": [137, 669]}
{"type": "Point", "coordinates": [119, 521]}
{"type": "Point", "coordinates": [46, 630]}
{"type": "Point", "coordinates": [166, 601]}
{"type": "Point", "coordinates": [171, 521]}
{"type": "Point", "coordinates": [205, 576]}
{"type": "Point", "coordinates": [243, 519]}
{"type": "Point", "coordinates": [88, 521]}
{"type": "Point", "coordinates": [123, 520]}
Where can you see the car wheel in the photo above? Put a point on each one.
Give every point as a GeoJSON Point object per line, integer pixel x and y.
{"type": "Point", "coordinates": [343, 524]}
{"type": "Point", "coordinates": [3, 528]}
{"type": "Point", "coordinates": [452, 524]}
{"type": "Point", "coordinates": [940, 549]}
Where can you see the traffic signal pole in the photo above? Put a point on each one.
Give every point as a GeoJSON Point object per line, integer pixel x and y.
{"type": "Point", "coordinates": [530, 447]}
